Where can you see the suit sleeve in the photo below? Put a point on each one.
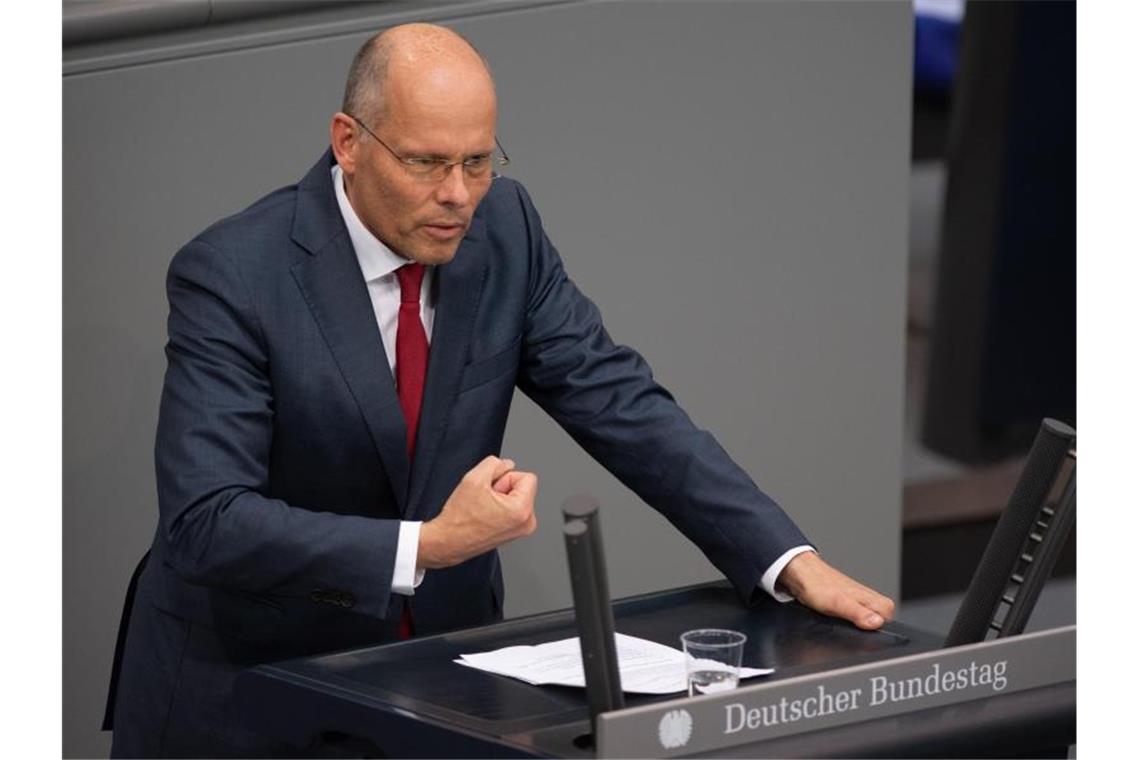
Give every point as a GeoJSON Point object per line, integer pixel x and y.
{"type": "Point", "coordinates": [215, 432]}
{"type": "Point", "coordinates": [605, 397]}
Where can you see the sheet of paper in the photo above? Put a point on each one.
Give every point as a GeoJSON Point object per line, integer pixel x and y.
{"type": "Point", "coordinates": [646, 667]}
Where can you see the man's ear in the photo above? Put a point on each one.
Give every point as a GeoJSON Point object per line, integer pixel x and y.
{"type": "Point", "coordinates": [345, 141]}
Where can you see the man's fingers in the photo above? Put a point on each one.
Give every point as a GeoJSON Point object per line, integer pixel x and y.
{"type": "Point", "coordinates": [870, 621]}
{"type": "Point", "coordinates": [511, 483]}
{"type": "Point", "coordinates": [880, 604]}
{"type": "Point", "coordinates": [524, 485]}
{"type": "Point", "coordinates": [504, 466]}
{"type": "Point", "coordinates": [849, 608]}
{"type": "Point", "coordinates": [868, 609]}
{"type": "Point", "coordinates": [522, 488]}
{"type": "Point", "coordinates": [872, 599]}
{"type": "Point", "coordinates": [505, 484]}
{"type": "Point", "coordinates": [491, 469]}
{"type": "Point", "coordinates": [825, 589]}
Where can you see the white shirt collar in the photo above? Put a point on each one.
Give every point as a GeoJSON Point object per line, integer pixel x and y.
{"type": "Point", "coordinates": [376, 259]}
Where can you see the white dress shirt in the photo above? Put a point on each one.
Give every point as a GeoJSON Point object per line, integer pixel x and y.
{"type": "Point", "coordinates": [379, 264]}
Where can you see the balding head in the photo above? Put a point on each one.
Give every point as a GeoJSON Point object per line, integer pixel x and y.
{"type": "Point", "coordinates": [418, 96]}
{"type": "Point", "coordinates": [408, 52]}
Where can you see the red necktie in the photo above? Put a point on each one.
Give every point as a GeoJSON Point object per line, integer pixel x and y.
{"type": "Point", "coordinates": [411, 349]}
{"type": "Point", "coordinates": [411, 369]}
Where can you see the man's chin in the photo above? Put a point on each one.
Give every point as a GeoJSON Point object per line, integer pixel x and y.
{"type": "Point", "coordinates": [435, 256]}
{"type": "Point", "coordinates": [435, 253]}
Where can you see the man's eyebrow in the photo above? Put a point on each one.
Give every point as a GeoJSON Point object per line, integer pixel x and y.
{"type": "Point", "coordinates": [442, 157]}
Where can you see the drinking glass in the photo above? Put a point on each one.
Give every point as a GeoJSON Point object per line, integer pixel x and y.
{"type": "Point", "coordinates": [712, 659]}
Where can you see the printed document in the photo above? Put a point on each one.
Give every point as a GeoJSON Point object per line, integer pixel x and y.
{"type": "Point", "coordinates": [646, 667]}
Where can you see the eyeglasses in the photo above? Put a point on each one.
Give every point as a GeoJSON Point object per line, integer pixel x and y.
{"type": "Point", "coordinates": [432, 169]}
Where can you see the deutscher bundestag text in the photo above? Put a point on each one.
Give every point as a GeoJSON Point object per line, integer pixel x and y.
{"type": "Point", "coordinates": [880, 690]}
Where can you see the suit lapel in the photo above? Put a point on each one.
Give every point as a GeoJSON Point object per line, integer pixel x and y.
{"type": "Point", "coordinates": [334, 289]}
{"type": "Point", "coordinates": [460, 285]}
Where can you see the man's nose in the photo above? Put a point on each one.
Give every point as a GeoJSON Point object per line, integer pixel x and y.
{"type": "Point", "coordinates": [452, 190]}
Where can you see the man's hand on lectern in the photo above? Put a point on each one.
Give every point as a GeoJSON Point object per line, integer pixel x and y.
{"type": "Point", "coordinates": [820, 586]}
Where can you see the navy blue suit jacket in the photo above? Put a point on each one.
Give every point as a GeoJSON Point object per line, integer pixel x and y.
{"type": "Point", "coordinates": [281, 462]}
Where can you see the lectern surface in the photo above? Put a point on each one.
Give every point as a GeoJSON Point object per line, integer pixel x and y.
{"type": "Point", "coordinates": [409, 698]}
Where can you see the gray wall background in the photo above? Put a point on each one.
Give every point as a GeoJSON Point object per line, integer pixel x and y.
{"type": "Point", "coordinates": [727, 169]}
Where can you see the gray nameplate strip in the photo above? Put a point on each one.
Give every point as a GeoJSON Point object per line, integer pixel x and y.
{"type": "Point", "coordinates": [837, 697]}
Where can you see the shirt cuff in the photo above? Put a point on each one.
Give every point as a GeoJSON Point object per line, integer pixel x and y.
{"type": "Point", "coordinates": [405, 577]}
{"type": "Point", "coordinates": [768, 580]}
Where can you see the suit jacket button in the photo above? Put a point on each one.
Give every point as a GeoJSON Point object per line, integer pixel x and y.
{"type": "Point", "coordinates": [347, 599]}
{"type": "Point", "coordinates": [317, 595]}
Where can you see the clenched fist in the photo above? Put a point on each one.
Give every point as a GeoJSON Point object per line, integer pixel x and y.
{"type": "Point", "coordinates": [492, 504]}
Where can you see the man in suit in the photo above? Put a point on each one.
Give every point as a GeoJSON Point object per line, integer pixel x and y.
{"type": "Point", "coordinates": [341, 361]}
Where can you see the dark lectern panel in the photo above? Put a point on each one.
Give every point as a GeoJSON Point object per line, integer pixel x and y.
{"type": "Point", "coordinates": [787, 637]}
{"type": "Point", "coordinates": [427, 676]}
{"type": "Point", "coordinates": [419, 675]}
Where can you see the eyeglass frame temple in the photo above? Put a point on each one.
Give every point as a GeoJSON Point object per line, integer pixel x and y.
{"type": "Point", "coordinates": [404, 159]}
